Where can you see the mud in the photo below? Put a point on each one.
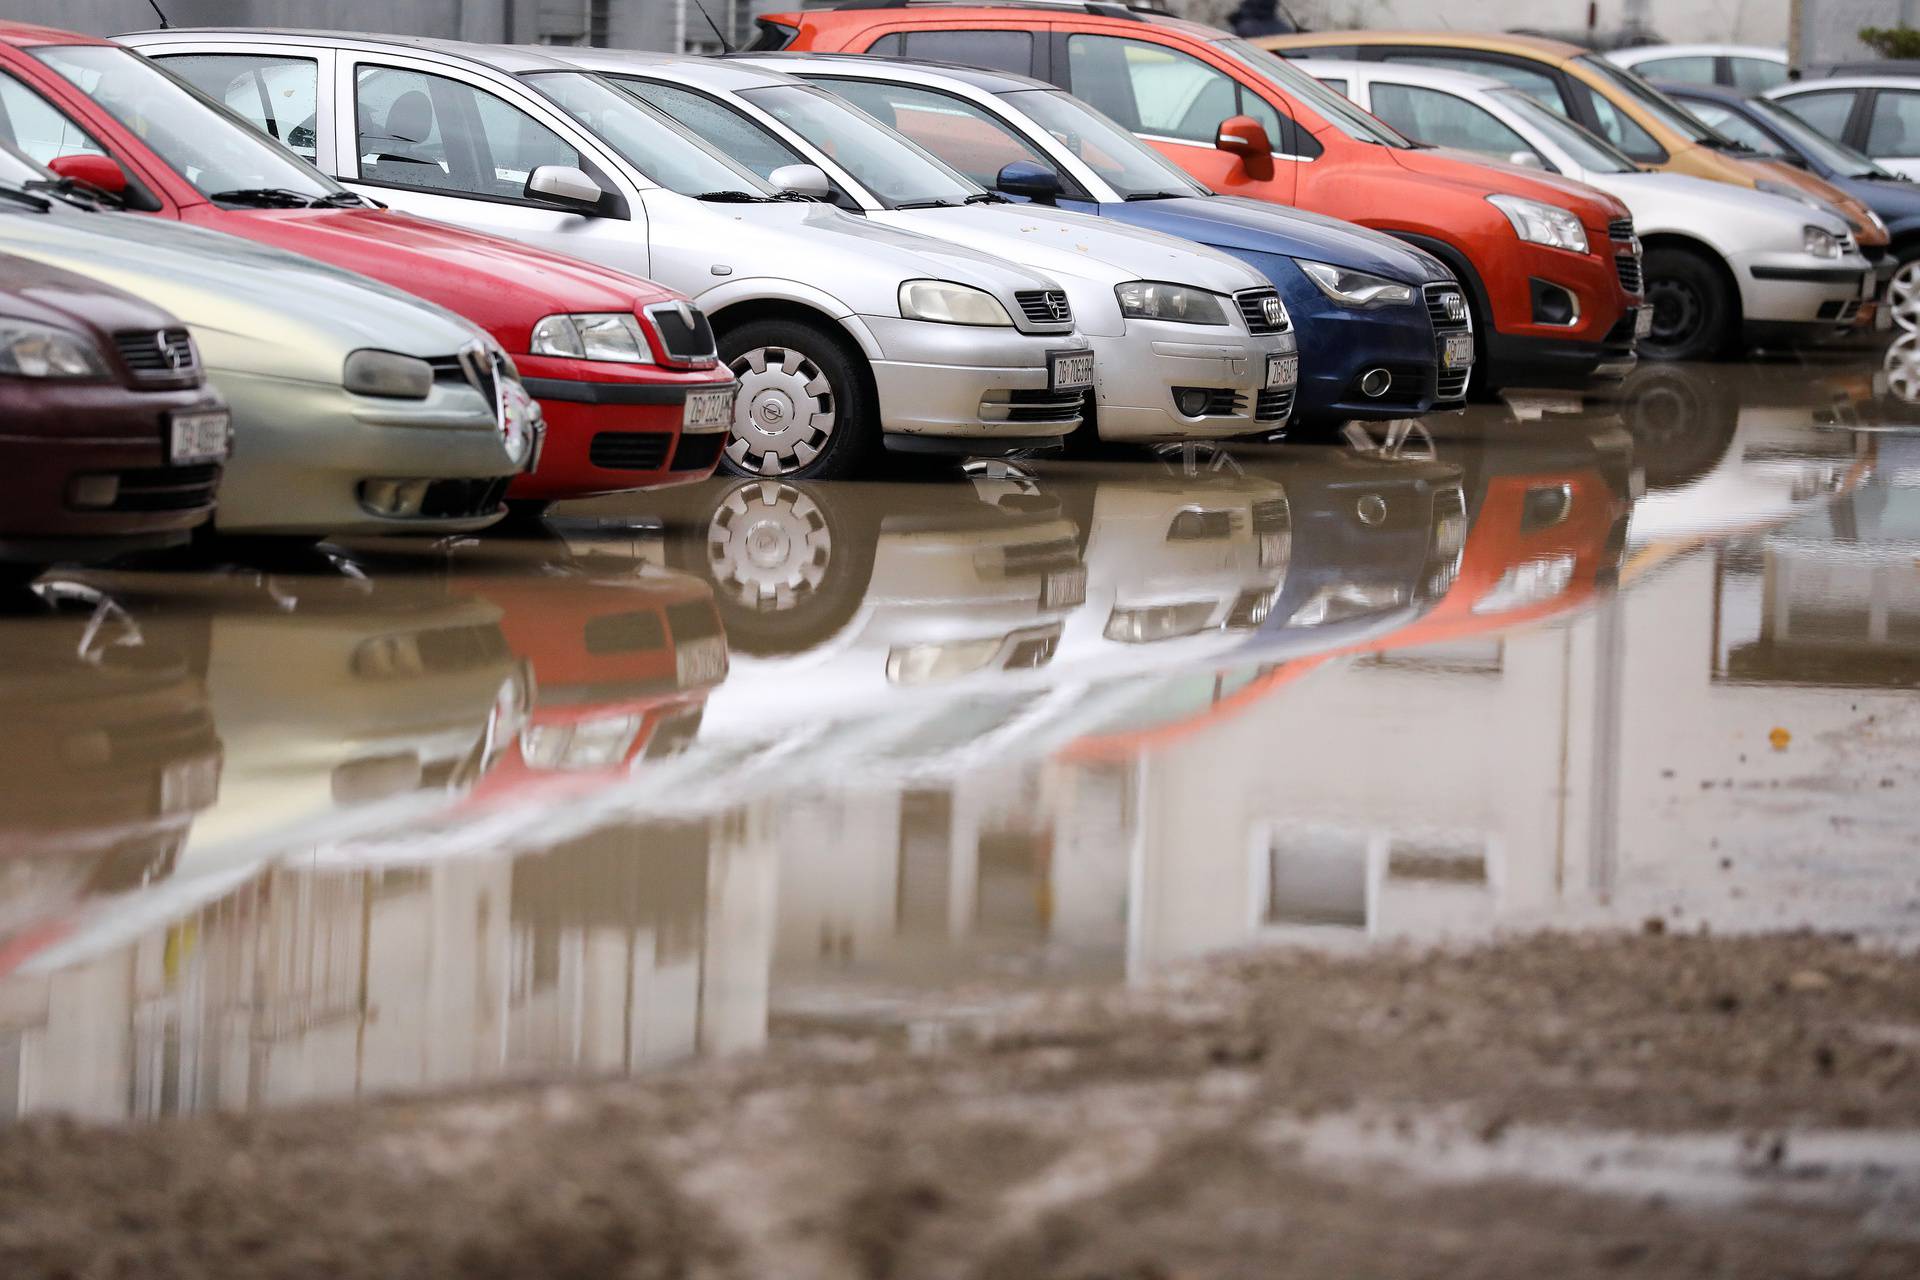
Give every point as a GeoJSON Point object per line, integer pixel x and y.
{"type": "Point", "coordinates": [1639, 1103]}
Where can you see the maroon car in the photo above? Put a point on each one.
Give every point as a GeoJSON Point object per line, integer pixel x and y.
{"type": "Point", "coordinates": [111, 441]}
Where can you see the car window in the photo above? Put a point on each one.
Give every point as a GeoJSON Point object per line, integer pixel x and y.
{"type": "Point", "coordinates": [1336, 83]}
{"type": "Point", "coordinates": [1692, 69]}
{"type": "Point", "coordinates": [1756, 74]}
{"type": "Point", "coordinates": [1445, 120]}
{"type": "Point", "coordinates": [1133, 167]}
{"type": "Point", "coordinates": [994, 50]}
{"type": "Point", "coordinates": [441, 134]}
{"type": "Point", "coordinates": [1538, 84]}
{"type": "Point", "coordinates": [1590, 152]}
{"type": "Point", "coordinates": [1895, 127]}
{"type": "Point", "coordinates": [278, 96]}
{"type": "Point", "coordinates": [1825, 109]}
{"type": "Point", "coordinates": [1619, 128]}
{"type": "Point", "coordinates": [721, 126]}
{"type": "Point", "coordinates": [650, 140]}
{"type": "Point", "coordinates": [899, 173]}
{"type": "Point", "coordinates": [36, 128]}
{"type": "Point", "coordinates": [959, 132]}
{"type": "Point", "coordinates": [1151, 88]}
{"type": "Point", "coordinates": [1726, 120]}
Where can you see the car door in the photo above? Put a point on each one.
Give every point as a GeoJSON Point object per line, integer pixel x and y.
{"type": "Point", "coordinates": [276, 91]}
{"type": "Point", "coordinates": [1893, 130]}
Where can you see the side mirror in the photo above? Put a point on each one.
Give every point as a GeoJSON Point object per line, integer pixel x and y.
{"type": "Point", "coordinates": [1032, 181]}
{"type": "Point", "coordinates": [1525, 159]}
{"type": "Point", "coordinates": [566, 185]}
{"type": "Point", "coordinates": [1247, 138]}
{"type": "Point", "coordinates": [101, 172]}
{"type": "Point", "coordinates": [808, 180]}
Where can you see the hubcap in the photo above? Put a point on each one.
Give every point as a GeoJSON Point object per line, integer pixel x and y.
{"type": "Point", "coordinates": [1903, 296]}
{"type": "Point", "coordinates": [1677, 312]}
{"type": "Point", "coordinates": [768, 546]}
{"type": "Point", "coordinates": [787, 410]}
{"type": "Point", "coordinates": [1903, 368]}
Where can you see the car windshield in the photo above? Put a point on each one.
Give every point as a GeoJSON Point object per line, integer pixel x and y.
{"type": "Point", "coordinates": [898, 173]}
{"type": "Point", "coordinates": [1589, 151]}
{"type": "Point", "coordinates": [1821, 149]}
{"type": "Point", "coordinates": [16, 168]}
{"type": "Point", "coordinates": [1129, 165]}
{"type": "Point", "coordinates": [1337, 109]}
{"type": "Point", "coordinates": [1655, 103]}
{"type": "Point", "coordinates": [197, 137]}
{"type": "Point", "coordinates": [649, 140]}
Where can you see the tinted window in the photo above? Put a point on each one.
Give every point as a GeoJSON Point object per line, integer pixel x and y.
{"type": "Point", "coordinates": [960, 133]}
{"type": "Point", "coordinates": [277, 96]}
{"type": "Point", "coordinates": [1539, 84]}
{"type": "Point", "coordinates": [1619, 129]}
{"type": "Point", "coordinates": [1895, 127]}
{"type": "Point", "coordinates": [1755, 74]}
{"type": "Point", "coordinates": [1445, 120]}
{"type": "Point", "coordinates": [994, 50]}
{"type": "Point", "coordinates": [1826, 110]}
{"type": "Point", "coordinates": [1727, 121]}
{"type": "Point", "coordinates": [440, 134]}
{"type": "Point", "coordinates": [1689, 70]}
{"type": "Point", "coordinates": [1151, 88]}
{"type": "Point", "coordinates": [1338, 85]}
{"type": "Point", "coordinates": [32, 125]}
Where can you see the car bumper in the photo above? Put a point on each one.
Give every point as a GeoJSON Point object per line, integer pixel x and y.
{"type": "Point", "coordinates": [1796, 289]}
{"type": "Point", "coordinates": [1339, 345]}
{"type": "Point", "coordinates": [1139, 374]}
{"type": "Point", "coordinates": [969, 383]}
{"type": "Point", "coordinates": [1520, 351]}
{"type": "Point", "coordinates": [612, 436]}
{"type": "Point", "coordinates": [303, 449]}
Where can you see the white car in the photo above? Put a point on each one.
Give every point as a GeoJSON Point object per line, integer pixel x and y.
{"type": "Point", "coordinates": [1875, 114]}
{"type": "Point", "coordinates": [1723, 264]}
{"type": "Point", "coordinates": [1754, 68]}
{"type": "Point", "coordinates": [1189, 343]}
{"type": "Point", "coordinates": [844, 334]}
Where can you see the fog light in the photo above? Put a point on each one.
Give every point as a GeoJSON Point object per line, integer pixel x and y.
{"type": "Point", "coordinates": [94, 491]}
{"type": "Point", "coordinates": [1192, 401]}
{"type": "Point", "coordinates": [1553, 304]}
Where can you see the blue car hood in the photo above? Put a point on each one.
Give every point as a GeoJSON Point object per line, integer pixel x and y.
{"type": "Point", "coordinates": [1234, 224]}
{"type": "Point", "coordinates": [1895, 201]}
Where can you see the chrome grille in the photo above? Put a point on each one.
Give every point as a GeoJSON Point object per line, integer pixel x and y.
{"type": "Point", "coordinates": [684, 332]}
{"type": "Point", "coordinates": [158, 353]}
{"type": "Point", "coordinates": [1631, 277]}
{"type": "Point", "coordinates": [1044, 306]}
{"type": "Point", "coordinates": [1221, 402]}
{"type": "Point", "coordinates": [1449, 387]}
{"type": "Point", "coordinates": [1033, 406]}
{"type": "Point", "coordinates": [1620, 229]}
{"type": "Point", "coordinates": [1438, 311]}
{"type": "Point", "coordinates": [1255, 311]}
{"type": "Point", "coordinates": [1273, 406]}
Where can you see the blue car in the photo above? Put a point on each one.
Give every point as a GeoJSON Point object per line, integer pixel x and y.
{"type": "Point", "coordinates": [1372, 313]}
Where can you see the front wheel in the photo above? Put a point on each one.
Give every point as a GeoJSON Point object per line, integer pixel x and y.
{"type": "Point", "coordinates": [804, 411]}
{"type": "Point", "coordinates": [1692, 309]}
{"type": "Point", "coordinates": [1903, 293]}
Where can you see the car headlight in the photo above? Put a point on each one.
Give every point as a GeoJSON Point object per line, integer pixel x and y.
{"type": "Point", "coordinates": [1159, 622]}
{"type": "Point", "coordinates": [1355, 288]}
{"type": "Point", "coordinates": [1878, 223]}
{"type": "Point", "coordinates": [613, 336]}
{"type": "Point", "coordinates": [1540, 223]}
{"type": "Point", "coordinates": [41, 351]}
{"type": "Point", "coordinates": [1526, 584]}
{"type": "Point", "coordinates": [1820, 243]}
{"type": "Point", "coordinates": [591, 744]}
{"type": "Point", "coordinates": [388, 373]}
{"type": "Point", "coordinates": [1158, 300]}
{"type": "Point", "coordinates": [1346, 600]}
{"type": "Point", "coordinates": [930, 663]}
{"type": "Point", "coordinates": [943, 302]}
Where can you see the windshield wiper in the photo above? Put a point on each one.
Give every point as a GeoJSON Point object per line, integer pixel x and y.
{"type": "Point", "coordinates": [1156, 195]}
{"type": "Point", "coordinates": [338, 200]}
{"type": "Point", "coordinates": [84, 194]}
{"type": "Point", "coordinates": [39, 204]}
{"type": "Point", "coordinates": [926, 204]}
{"type": "Point", "coordinates": [730, 197]}
{"type": "Point", "coordinates": [265, 198]}
{"type": "Point", "coordinates": [986, 197]}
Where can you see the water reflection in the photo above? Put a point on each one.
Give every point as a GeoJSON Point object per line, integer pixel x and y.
{"type": "Point", "coordinates": [778, 757]}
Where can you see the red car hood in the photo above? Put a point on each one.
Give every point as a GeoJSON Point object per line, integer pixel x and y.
{"type": "Point", "coordinates": [1595, 207]}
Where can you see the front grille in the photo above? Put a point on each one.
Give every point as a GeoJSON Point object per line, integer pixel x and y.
{"type": "Point", "coordinates": [1273, 515]}
{"type": "Point", "coordinates": [464, 499]}
{"type": "Point", "coordinates": [1027, 559]}
{"type": "Point", "coordinates": [167, 488]}
{"type": "Point", "coordinates": [1273, 406]}
{"type": "Point", "coordinates": [1631, 277]}
{"type": "Point", "coordinates": [693, 620]}
{"type": "Point", "coordinates": [1451, 386]}
{"type": "Point", "coordinates": [1250, 609]}
{"type": "Point", "coordinates": [1032, 651]}
{"type": "Point", "coordinates": [1620, 229]}
{"type": "Point", "coordinates": [1044, 306]}
{"type": "Point", "coordinates": [158, 353]}
{"type": "Point", "coordinates": [1253, 309]}
{"type": "Point", "coordinates": [1443, 322]}
{"type": "Point", "coordinates": [1050, 407]}
{"type": "Point", "coordinates": [684, 332]}
{"type": "Point", "coordinates": [698, 452]}
{"type": "Point", "coordinates": [1222, 402]}
{"type": "Point", "coordinates": [631, 450]}
{"type": "Point", "coordinates": [1840, 311]}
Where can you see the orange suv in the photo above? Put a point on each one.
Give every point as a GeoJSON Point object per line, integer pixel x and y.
{"type": "Point", "coordinates": [1552, 267]}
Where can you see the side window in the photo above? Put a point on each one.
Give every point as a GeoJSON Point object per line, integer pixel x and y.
{"type": "Point", "coordinates": [1826, 111]}
{"type": "Point", "coordinates": [740, 138]}
{"type": "Point", "coordinates": [1338, 85]}
{"type": "Point", "coordinates": [1619, 129]}
{"type": "Point", "coordinates": [1150, 88]}
{"type": "Point", "coordinates": [993, 50]}
{"type": "Point", "coordinates": [1726, 120]}
{"type": "Point", "coordinates": [1756, 74]}
{"type": "Point", "coordinates": [1445, 120]}
{"type": "Point", "coordinates": [1539, 85]}
{"type": "Point", "coordinates": [888, 46]}
{"type": "Point", "coordinates": [967, 138]}
{"type": "Point", "coordinates": [1895, 127]}
{"type": "Point", "coordinates": [278, 96]}
{"type": "Point", "coordinates": [38, 128]}
{"type": "Point", "coordinates": [439, 134]}
{"type": "Point", "coordinates": [1690, 70]}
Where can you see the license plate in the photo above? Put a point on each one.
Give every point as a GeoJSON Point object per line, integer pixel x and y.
{"type": "Point", "coordinates": [198, 437]}
{"type": "Point", "coordinates": [1070, 370]}
{"type": "Point", "coordinates": [700, 662]}
{"type": "Point", "coordinates": [1457, 353]}
{"type": "Point", "coordinates": [1066, 589]}
{"type": "Point", "coordinates": [1643, 323]}
{"type": "Point", "coordinates": [708, 410]}
{"type": "Point", "coordinates": [1282, 371]}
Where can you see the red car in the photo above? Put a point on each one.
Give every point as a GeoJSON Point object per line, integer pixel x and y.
{"type": "Point", "coordinates": [624, 369]}
{"type": "Point", "coordinates": [110, 439]}
{"type": "Point", "coordinates": [1552, 267]}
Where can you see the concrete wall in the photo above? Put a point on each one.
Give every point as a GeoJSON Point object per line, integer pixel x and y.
{"type": "Point", "coordinates": [1745, 21]}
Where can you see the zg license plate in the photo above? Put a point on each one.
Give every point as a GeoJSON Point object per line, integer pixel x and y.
{"type": "Point", "coordinates": [1070, 370]}
{"type": "Point", "coordinates": [1282, 371]}
{"type": "Point", "coordinates": [700, 662]}
{"type": "Point", "coordinates": [201, 436]}
{"type": "Point", "coordinates": [708, 410]}
{"type": "Point", "coordinates": [1064, 590]}
{"type": "Point", "coordinates": [1642, 323]}
{"type": "Point", "coordinates": [1457, 353]}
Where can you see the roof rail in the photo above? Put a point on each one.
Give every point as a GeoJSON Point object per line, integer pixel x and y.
{"type": "Point", "coordinates": [1098, 8]}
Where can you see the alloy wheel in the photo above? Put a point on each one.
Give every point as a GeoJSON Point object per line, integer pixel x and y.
{"type": "Point", "coordinates": [1903, 296]}
{"type": "Point", "coordinates": [787, 411]}
{"type": "Point", "coordinates": [768, 546]}
{"type": "Point", "coordinates": [1678, 312]}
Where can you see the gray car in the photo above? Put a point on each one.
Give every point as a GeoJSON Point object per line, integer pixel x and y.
{"type": "Point", "coordinates": [843, 333]}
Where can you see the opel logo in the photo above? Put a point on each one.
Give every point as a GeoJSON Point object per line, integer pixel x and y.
{"type": "Point", "coordinates": [1456, 306]}
{"type": "Point", "coordinates": [686, 314]}
{"type": "Point", "coordinates": [1057, 304]}
{"type": "Point", "coordinates": [177, 358]}
{"type": "Point", "coordinates": [1272, 310]}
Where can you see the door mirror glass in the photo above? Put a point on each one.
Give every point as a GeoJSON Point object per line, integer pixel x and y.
{"type": "Point", "coordinates": [808, 180]}
{"type": "Point", "coordinates": [101, 172]}
{"type": "Point", "coordinates": [1030, 181]}
{"type": "Point", "coordinates": [565, 184]}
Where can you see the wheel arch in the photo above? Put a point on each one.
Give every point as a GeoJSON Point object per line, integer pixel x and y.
{"type": "Point", "coordinates": [1699, 248]}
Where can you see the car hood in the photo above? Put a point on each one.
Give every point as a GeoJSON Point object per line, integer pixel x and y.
{"type": "Point", "coordinates": [1077, 244]}
{"type": "Point", "coordinates": [1238, 224]}
{"type": "Point", "coordinates": [1478, 173]}
{"type": "Point", "coordinates": [252, 309]}
{"type": "Point", "coordinates": [49, 294]}
{"type": "Point", "coordinates": [1888, 197]}
{"type": "Point", "coordinates": [1679, 202]}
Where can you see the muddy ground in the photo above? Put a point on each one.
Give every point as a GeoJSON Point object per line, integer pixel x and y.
{"type": "Point", "coordinates": [1644, 1105]}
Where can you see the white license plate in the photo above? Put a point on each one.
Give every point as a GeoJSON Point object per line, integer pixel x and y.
{"type": "Point", "coordinates": [1070, 370]}
{"type": "Point", "coordinates": [1457, 353]}
{"type": "Point", "coordinates": [700, 662]}
{"type": "Point", "coordinates": [198, 437]}
{"type": "Point", "coordinates": [1282, 371]}
{"type": "Point", "coordinates": [1643, 323]}
{"type": "Point", "coordinates": [708, 410]}
{"type": "Point", "coordinates": [1064, 590]}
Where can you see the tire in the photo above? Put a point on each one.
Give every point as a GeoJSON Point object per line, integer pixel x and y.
{"type": "Point", "coordinates": [805, 412]}
{"type": "Point", "coordinates": [1903, 291]}
{"type": "Point", "coordinates": [1682, 421]}
{"type": "Point", "coordinates": [1693, 311]}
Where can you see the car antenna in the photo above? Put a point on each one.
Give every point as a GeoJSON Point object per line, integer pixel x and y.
{"type": "Point", "coordinates": [164, 24]}
{"type": "Point", "coordinates": [726, 45]}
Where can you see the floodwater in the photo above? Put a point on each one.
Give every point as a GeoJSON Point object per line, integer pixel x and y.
{"type": "Point", "coordinates": [681, 777]}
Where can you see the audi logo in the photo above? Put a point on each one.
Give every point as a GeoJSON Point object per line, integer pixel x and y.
{"type": "Point", "coordinates": [1272, 310]}
{"type": "Point", "coordinates": [1455, 305]}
